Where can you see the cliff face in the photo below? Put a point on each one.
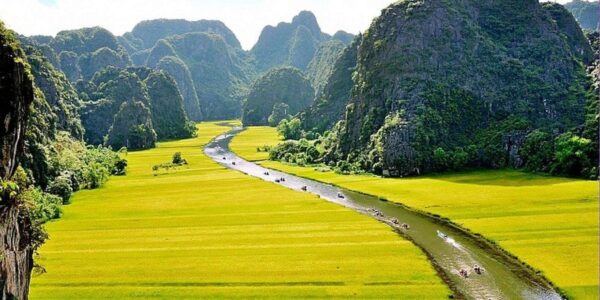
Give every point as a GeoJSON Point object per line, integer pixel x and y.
{"type": "Point", "coordinates": [16, 94]}
{"type": "Point", "coordinates": [285, 89]}
{"type": "Point", "coordinates": [457, 75]}
{"type": "Point", "coordinates": [293, 44]}
{"type": "Point", "coordinates": [330, 103]}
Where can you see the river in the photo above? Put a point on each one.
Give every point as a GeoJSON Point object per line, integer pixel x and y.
{"type": "Point", "coordinates": [449, 248]}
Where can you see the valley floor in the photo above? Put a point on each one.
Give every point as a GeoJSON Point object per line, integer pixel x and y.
{"type": "Point", "coordinates": [550, 223]}
{"type": "Point", "coordinates": [209, 232]}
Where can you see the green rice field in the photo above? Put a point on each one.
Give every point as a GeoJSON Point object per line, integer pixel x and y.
{"type": "Point", "coordinates": [208, 232]}
{"type": "Point", "coordinates": [548, 222]}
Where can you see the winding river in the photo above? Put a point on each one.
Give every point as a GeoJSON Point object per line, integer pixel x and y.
{"type": "Point", "coordinates": [450, 249]}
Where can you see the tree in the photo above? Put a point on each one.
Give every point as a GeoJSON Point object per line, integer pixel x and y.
{"type": "Point", "coordinates": [290, 130]}
{"type": "Point", "coordinates": [572, 156]}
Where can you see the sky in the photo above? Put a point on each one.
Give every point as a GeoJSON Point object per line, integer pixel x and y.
{"type": "Point", "coordinates": [246, 18]}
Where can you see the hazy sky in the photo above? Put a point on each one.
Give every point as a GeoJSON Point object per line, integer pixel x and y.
{"type": "Point", "coordinates": [245, 17]}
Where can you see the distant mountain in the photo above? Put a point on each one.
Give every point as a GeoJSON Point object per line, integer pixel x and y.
{"type": "Point", "coordinates": [343, 37]}
{"type": "Point", "coordinates": [330, 103]}
{"type": "Point", "coordinates": [322, 64]}
{"type": "Point", "coordinates": [448, 84]}
{"type": "Point", "coordinates": [220, 73]}
{"type": "Point", "coordinates": [291, 44]}
{"type": "Point", "coordinates": [183, 77]}
{"type": "Point", "coordinates": [145, 34]}
{"type": "Point", "coordinates": [61, 96]}
{"type": "Point", "coordinates": [83, 52]}
{"type": "Point", "coordinates": [211, 71]}
{"type": "Point", "coordinates": [204, 57]}
{"type": "Point", "coordinates": [154, 90]}
{"type": "Point", "coordinates": [280, 92]}
{"type": "Point", "coordinates": [587, 13]}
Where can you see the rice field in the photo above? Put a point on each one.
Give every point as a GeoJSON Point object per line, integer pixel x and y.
{"type": "Point", "coordinates": [548, 222]}
{"type": "Point", "coordinates": [209, 232]}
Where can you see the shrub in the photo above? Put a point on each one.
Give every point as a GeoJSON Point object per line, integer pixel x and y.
{"type": "Point", "coordinates": [572, 156]}
{"type": "Point", "coordinates": [537, 151]}
{"type": "Point", "coordinates": [120, 168]}
{"type": "Point", "coordinates": [177, 158]}
{"type": "Point", "coordinates": [61, 186]}
{"type": "Point", "coordinates": [43, 207]}
{"type": "Point", "coordinates": [95, 175]}
{"type": "Point", "coordinates": [290, 130]}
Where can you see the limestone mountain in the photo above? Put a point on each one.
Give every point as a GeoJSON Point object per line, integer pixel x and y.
{"type": "Point", "coordinates": [343, 37]}
{"type": "Point", "coordinates": [220, 73]}
{"type": "Point", "coordinates": [16, 90]}
{"type": "Point", "coordinates": [468, 78]}
{"type": "Point", "coordinates": [587, 13]}
{"type": "Point", "coordinates": [322, 64]}
{"type": "Point", "coordinates": [83, 52]}
{"type": "Point", "coordinates": [330, 103]}
{"type": "Point", "coordinates": [145, 34]}
{"type": "Point", "coordinates": [132, 127]}
{"type": "Point", "coordinates": [293, 44]}
{"type": "Point", "coordinates": [61, 96]}
{"type": "Point", "coordinates": [183, 77]}
{"type": "Point", "coordinates": [166, 105]}
{"type": "Point", "coordinates": [279, 86]}
{"type": "Point", "coordinates": [155, 90]}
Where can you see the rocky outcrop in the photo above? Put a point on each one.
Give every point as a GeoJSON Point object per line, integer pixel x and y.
{"type": "Point", "coordinates": [132, 127]}
{"type": "Point", "coordinates": [220, 73]}
{"type": "Point", "coordinates": [16, 94]}
{"type": "Point", "coordinates": [459, 75]}
{"type": "Point", "coordinates": [292, 44]}
{"type": "Point", "coordinates": [145, 34]}
{"type": "Point", "coordinates": [330, 103]}
{"type": "Point", "coordinates": [180, 72]}
{"type": "Point", "coordinates": [278, 86]}
{"type": "Point", "coordinates": [323, 62]}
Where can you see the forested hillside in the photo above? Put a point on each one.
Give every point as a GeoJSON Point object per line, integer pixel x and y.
{"type": "Point", "coordinates": [463, 91]}
{"type": "Point", "coordinates": [42, 158]}
{"type": "Point", "coordinates": [277, 95]}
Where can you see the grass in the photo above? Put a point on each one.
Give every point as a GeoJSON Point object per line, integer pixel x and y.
{"type": "Point", "coordinates": [209, 232]}
{"type": "Point", "coordinates": [550, 223]}
{"type": "Point", "coordinates": [258, 136]}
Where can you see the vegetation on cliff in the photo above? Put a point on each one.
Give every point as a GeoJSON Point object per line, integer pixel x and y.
{"type": "Point", "coordinates": [463, 89]}
{"type": "Point", "coordinates": [279, 86]}
{"type": "Point", "coordinates": [330, 103]}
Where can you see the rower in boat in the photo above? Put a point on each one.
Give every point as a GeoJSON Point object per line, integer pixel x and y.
{"type": "Point", "coordinates": [266, 173]}
{"type": "Point", "coordinates": [340, 195]}
{"type": "Point", "coordinates": [442, 235]}
{"type": "Point", "coordinates": [464, 273]}
{"type": "Point", "coordinates": [304, 188]}
{"type": "Point", "coordinates": [395, 221]}
{"type": "Point", "coordinates": [478, 269]}
{"type": "Point", "coordinates": [405, 226]}
{"type": "Point", "coordinates": [277, 181]}
{"type": "Point", "coordinates": [233, 163]}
